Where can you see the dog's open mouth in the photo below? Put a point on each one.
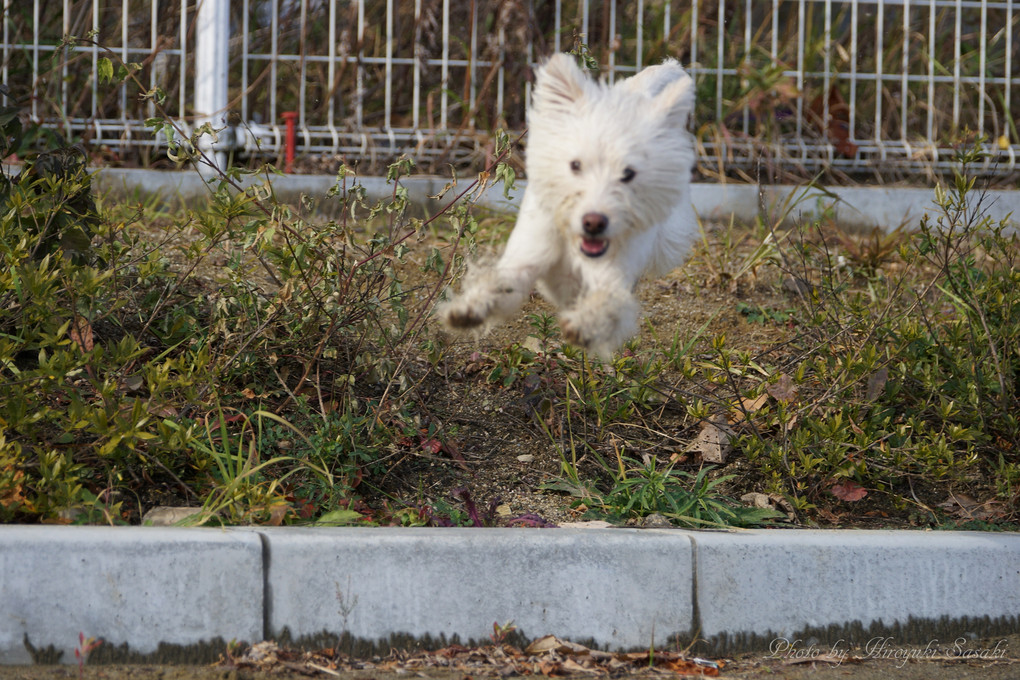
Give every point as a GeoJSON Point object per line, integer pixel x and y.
{"type": "Point", "coordinates": [594, 247]}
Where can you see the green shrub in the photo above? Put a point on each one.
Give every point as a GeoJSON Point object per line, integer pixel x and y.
{"type": "Point", "coordinates": [909, 377]}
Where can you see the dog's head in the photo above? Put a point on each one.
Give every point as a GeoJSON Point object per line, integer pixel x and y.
{"type": "Point", "coordinates": [604, 159]}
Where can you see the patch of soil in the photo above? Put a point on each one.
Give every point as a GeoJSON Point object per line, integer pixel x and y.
{"type": "Point", "coordinates": [511, 440]}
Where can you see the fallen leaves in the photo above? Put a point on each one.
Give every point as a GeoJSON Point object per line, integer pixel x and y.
{"type": "Point", "coordinates": [849, 491]}
{"type": "Point", "coordinates": [770, 501]}
{"type": "Point", "coordinates": [546, 656]}
{"type": "Point", "coordinates": [783, 389]}
{"type": "Point", "coordinates": [713, 442]}
{"type": "Point", "coordinates": [967, 508]}
{"type": "Point", "coordinates": [81, 334]}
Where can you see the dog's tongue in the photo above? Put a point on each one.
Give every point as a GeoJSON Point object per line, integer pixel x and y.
{"type": "Point", "coordinates": [593, 246]}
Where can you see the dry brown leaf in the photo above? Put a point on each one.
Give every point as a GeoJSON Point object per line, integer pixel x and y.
{"type": "Point", "coordinates": [277, 513]}
{"type": "Point", "coordinates": [965, 507]}
{"type": "Point", "coordinates": [81, 334]}
{"type": "Point", "coordinates": [876, 383]}
{"type": "Point", "coordinates": [747, 406]}
{"type": "Point", "coordinates": [849, 491]}
{"type": "Point", "coordinates": [687, 667]}
{"type": "Point", "coordinates": [162, 410]}
{"type": "Point", "coordinates": [714, 443]}
{"type": "Point", "coordinates": [543, 644]}
{"type": "Point", "coordinates": [572, 666]}
{"type": "Point", "coordinates": [551, 643]}
{"type": "Point", "coordinates": [783, 389]}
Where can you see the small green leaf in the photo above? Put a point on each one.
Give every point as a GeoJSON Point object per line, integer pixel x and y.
{"type": "Point", "coordinates": [339, 518]}
{"type": "Point", "coordinates": [105, 70]}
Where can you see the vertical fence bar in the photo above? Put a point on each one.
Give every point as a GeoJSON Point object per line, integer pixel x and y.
{"type": "Point", "coordinates": [746, 123]}
{"type": "Point", "coordinates": [274, 59]}
{"type": "Point", "coordinates": [94, 108]}
{"type": "Point", "coordinates": [775, 145]}
{"type": "Point", "coordinates": [416, 55]}
{"type": "Point", "coordinates": [879, 69]}
{"type": "Point", "coordinates": [827, 83]}
{"type": "Point", "coordinates": [774, 47]}
{"type": "Point", "coordinates": [472, 71]}
{"type": "Point", "coordinates": [932, 16]}
{"type": "Point", "coordinates": [583, 22]}
{"type": "Point", "coordinates": [1010, 134]}
{"type": "Point", "coordinates": [4, 70]}
{"type": "Point", "coordinates": [640, 35]}
{"type": "Point", "coordinates": [303, 66]}
{"type": "Point", "coordinates": [153, 47]}
{"type": "Point", "coordinates": [557, 25]}
{"type": "Point", "coordinates": [501, 73]}
{"type": "Point", "coordinates": [388, 86]}
{"type": "Point", "coordinates": [359, 78]}
{"type": "Point", "coordinates": [720, 58]}
{"type": "Point", "coordinates": [35, 58]}
{"type": "Point", "coordinates": [64, 83]}
{"type": "Point", "coordinates": [904, 77]}
{"type": "Point", "coordinates": [331, 89]}
{"type": "Point", "coordinates": [666, 27]}
{"type": "Point", "coordinates": [853, 68]}
{"type": "Point", "coordinates": [982, 60]}
{"type": "Point", "coordinates": [801, 19]}
{"type": "Point", "coordinates": [956, 65]}
{"type": "Point", "coordinates": [694, 35]}
{"type": "Point", "coordinates": [245, 58]}
{"type": "Point", "coordinates": [612, 41]}
{"type": "Point", "coordinates": [125, 56]}
{"type": "Point", "coordinates": [443, 96]}
{"type": "Point", "coordinates": [182, 111]}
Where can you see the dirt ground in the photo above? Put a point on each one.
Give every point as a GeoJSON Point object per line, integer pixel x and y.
{"type": "Point", "coordinates": [990, 659]}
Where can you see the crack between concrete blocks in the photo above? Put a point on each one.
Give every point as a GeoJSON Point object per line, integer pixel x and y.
{"type": "Point", "coordinates": [267, 595]}
{"type": "Point", "coordinates": [695, 608]}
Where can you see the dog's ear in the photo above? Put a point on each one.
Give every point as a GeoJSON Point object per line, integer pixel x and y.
{"type": "Point", "coordinates": [559, 85]}
{"type": "Point", "coordinates": [676, 101]}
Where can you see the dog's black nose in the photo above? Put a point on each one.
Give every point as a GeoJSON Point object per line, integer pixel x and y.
{"type": "Point", "coordinates": [594, 223]}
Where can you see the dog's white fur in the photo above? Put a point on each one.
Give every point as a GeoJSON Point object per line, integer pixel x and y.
{"type": "Point", "coordinates": [607, 202]}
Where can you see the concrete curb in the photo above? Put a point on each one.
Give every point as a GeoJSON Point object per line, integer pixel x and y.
{"type": "Point", "coordinates": [148, 590]}
{"type": "Point", "coordinates": [886, 208]}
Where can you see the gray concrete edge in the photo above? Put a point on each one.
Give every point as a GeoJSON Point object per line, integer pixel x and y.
{"type": "Point", "coordinates": [166, 594]}
{"type": "Point", "coordinates": [885, 208]}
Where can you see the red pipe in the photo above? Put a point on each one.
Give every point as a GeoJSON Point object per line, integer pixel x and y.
{"type": "Point", "coordinates": [290, 119]}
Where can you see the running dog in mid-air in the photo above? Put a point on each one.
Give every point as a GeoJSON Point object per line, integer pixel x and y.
{"type": "Point", "coordinates": [607, 202]}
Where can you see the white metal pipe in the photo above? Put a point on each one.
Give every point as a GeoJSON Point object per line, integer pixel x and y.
{"type": "Point", "coordinates": [212, 43]}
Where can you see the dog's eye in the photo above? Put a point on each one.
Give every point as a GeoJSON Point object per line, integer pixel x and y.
{"type": "Point", "coordinates": [628, 175]}
{"type": "Point", "coordinates": [575, 166]}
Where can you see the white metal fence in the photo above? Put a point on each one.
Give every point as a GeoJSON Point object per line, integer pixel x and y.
{"type": "Point", "coordinates": [882, 85]}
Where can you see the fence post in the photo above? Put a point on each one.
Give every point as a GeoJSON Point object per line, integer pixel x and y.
{"type": "Point", "coordinates": [212, 43]}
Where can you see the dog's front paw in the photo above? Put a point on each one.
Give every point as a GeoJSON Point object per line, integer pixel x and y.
{"type": "Point", "coordinates": [462, 316]}
{"type": "Point", "coordinates": [572, 333]}
{"type": "Point", "coordinates": [602, 322]}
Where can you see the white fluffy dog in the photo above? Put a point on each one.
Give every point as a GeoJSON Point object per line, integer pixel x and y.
{"type": "Point", "coordinates": [607, 202]}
